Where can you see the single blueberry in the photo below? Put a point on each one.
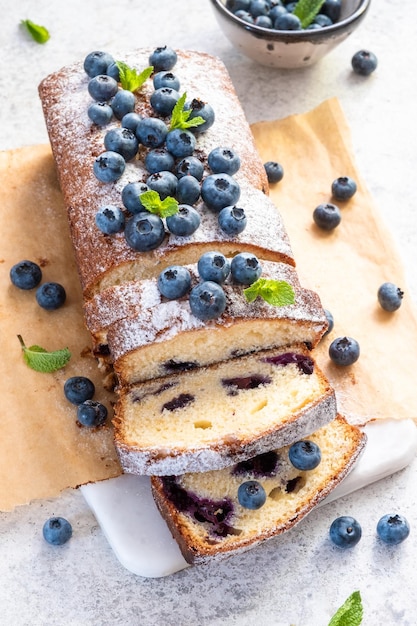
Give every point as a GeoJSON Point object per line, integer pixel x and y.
{"type": "Point", "coordinates": [57, 531]}
{"type": "Point", "coordinates": [274, 171]}
{"type": "Point", "coordinates": [251, 495]}
{"type": "Point", "coordinates": [109, 166]}
{"type": "Point", "coordinates": [390, 297]}
{"type": "Point", "coordinates": [144, 232]}
{"type": "Point", "coordinates": [159, 159]}
{"type": "Point", "coordinates": [343, 188]}
{"type": "Point", "coordinates": [264, 21]}
{"type": "Point", "coordinates": [110, 219]}
{"type": "Point", "coordinates": [276, 10]}
{"type": "Point", "coordinates": [163, 100]}
{"type": "Point", "coordinates": [50, 296]}
{"type": "Point", "coordinates": [78, 389]}
{"type": "Point", "coordinates": [188, 190]}
{"type": "Point", "coordinates": [102, 88]}
{"type": "Point", "coordinates": [223, 160]}
{"type": "Point", "coordinates": [190, 166]}
{"type": "Point", "coordinates": [163, 58]}
{"type": "Point", "coordinates": [164, 182]}
{"type": "Point", "coordinates": [245, 16]}
{"type": "Point", "coordinates": [174, 282]}
{"type": "Point", "coordinates": [181, 143]}
{"type": "Point", "coordinates": [151, 132]}
{"type": "Point", "coordinates": [345, 531]}
{"type": "Point", "coordinates": [232, 220]}
{"type": "Point", "coordinates": [364, 62]}
{"type": "Point", "coordinates": [213, 266]}
{"type": "Point", "coordinates": [332, 8]}
{"type": "Point", "coordinates": [100, 113]}
{"type": "Point", "coordinates": [198, 108]}
{"type": "Point", "coordinates": [287, 21]}
{"type": "Point", "coordinates": [166, 79]}
{"type": "Point", "coordinates": [207, 300]}
{"type": "Point", "coordinates": [259, 7]}
{"type": "Point", "coordinates": [393, 529]}
{"type": "Point", "coordinates": [123, 141]}
{"type": "Point", "coordinates": [219, 191]}
{"type": "Point", "coordinates": [245, 268]}
{"type": "Point", "coordinates": [91, 413]}
{"type": "Point", "coordinates": [327, 216]}
{"type": "Point", "coordinates": [323, 20]}
{"type": "Point", "coordinates": [97, 62]}
{"type": "Point", "coordinates": [344, 351]}
{"type": "Point", "coordinates": [330, 322]}
{"type": "Point", "coordinates": [304, 455]}
{"type": "Point", "coordinates": [113, 71]}
{"type": "Point", "coordinates": [123, 103]}
{"type": "Point", "coordinates": [131, 197]}
{"type": "Point", "coordinates": [26, 274]}
{"type": "Point", "coordinates": [131, 121]}
{"type": "Point", "coordinates": [185, 222]}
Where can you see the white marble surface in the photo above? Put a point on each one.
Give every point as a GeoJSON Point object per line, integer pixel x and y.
{"type": "Point", "coordinates": [299, 579]}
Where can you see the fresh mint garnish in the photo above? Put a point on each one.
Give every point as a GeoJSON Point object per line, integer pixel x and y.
{"type": "Point", "coordinates": [350, 613]}
{"type": "Point", "coordinates": [306, 11]}
{"type": "Point", "coordinates": [153, 203]}
{"type": "Point", "coordinates": [181, 119]}
{"type": "Point", "coordinates": [41, 360]}
{"type": "Point", "coordinates": [39, 33]}
{"type": "Point", "coordinates": [130, 79]}
{"type": "Point", "coordinates": [275, 292]}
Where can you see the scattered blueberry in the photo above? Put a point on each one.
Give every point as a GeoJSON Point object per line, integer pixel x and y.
{"type": "Point", "coordinates": [393, 529]}
{"type": "Point", "coordinates": [219, 190]}
{"type": "Point", "coordinates": [213, 266]}
{"type": "Point", "coordinates": [345, 531]}
{"type": "Point", "coordinates": [163, 58]}
{"type": "Point", "coordinates": [91, 413]}
{"type": "Point", "coordinates": [390, 297]}
{"type": "Point", "coordinates": [123, 103]}
{"type": "Point", "coordinates": [188, 190]}
{"type": "Point", "coordinates": [304, 455]}
{"type": "Point", "coordinates": [364, 62]}
{"type": "Point", "coordinates": [203, 110]}
{"type": "Point", "coordinates": [110, 219]}
{"type": "Point", "coordinates": [102, 88]}
{"type": "Point", "coordinates": [232, 220]}
{"type": "Point", "coordinates": [207, 300]}
{"type": "Point", "coordinates": [26, 274]}
{"type": "Point", "coordinates": [327, 216]}
{"type": "Point", "coordinates": [185, 222]}
{"type": "Point", "coordinates": [78, 389]}
{"type": "Point", "coordinates": [343, 188]}
{"type": "Point", "coordinates": [245, 268]}
{"type": "Point", "coordinates": [131, 196]}
{"type": "Point", "coordinates": [224, 160]}
{"type": "Point", "coordinates": [344, 351]}
{"type": "Point", "coordinates": [174, 282]}
{"type": "Point", "coordinates": [274, 171]}
{"type": "Point", "coordinates": [330, 322]}
{"type": "Point", "coordinates": [151, 132]}
{"type": "Point", "coordinates": [50, 296]}
{"type": "Point", "coordinates": [190, 166]}
{"type": "Point", "coordinates": [100, 113]}
{"type": "Point", "coordinates": [180, 143]}
{"type": "Point", "coordinates": [164, 182]}
{"type": "Point", "coordinates": [251, 495]}
{"type": "Point", "coordinates": [57, 531]}
{"type": "Point", "coordinates": [144, 231]}
{"type": "Point", "coordinates": [123, 141]}
{"type": "Point", "coordinates": [163, 100]}
{"type": "Point", "coordinates": [109, 166]}
{"type": "Point", "coordinates": [97, 62]}
{"type": "Point", "coordinates": [159, 159]}
{"type": "Point", "coordinates": [166, 79]}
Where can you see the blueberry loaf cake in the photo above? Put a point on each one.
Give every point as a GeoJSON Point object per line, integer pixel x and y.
{"type": "Point", "coordinates": [224, 512]}
{"type": "Point", "coordinates": [210, 417]}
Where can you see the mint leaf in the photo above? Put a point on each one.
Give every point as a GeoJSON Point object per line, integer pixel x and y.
{"type": "Point", "coordinates": [350, 613]}
{"type": "Point", "coordinates": [39, 33]}
{"type": "Point", "coordinates": [130, 79]}
{"type": "Point", "coordinates": [275, 292]}
{"type": "Point", "coordinates": [181, 119]}
{"type": "Point", "coordinates": [153, 203]}
{"type": "Point", "coordinates": [306, 11]}
{"type": "Point", "coordinates": [41, 360]}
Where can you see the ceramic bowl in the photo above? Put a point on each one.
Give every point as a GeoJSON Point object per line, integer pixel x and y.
{"type": "Point", "coordinates": [289, 49]}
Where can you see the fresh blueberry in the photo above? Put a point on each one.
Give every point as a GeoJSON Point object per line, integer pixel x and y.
{"type": "Point", "coordinates": [259, 7]}
{"type": "Point", "coordinates": [159, 159]}
{"type": "Point", "coordinates": [304, 455]}
{"type": "Point", "coordinates": [26, 274]}
{"type": "Point", "coordinates": [163, 100]}
{"type": "Point", "coordinates": [393, 529]}
{"type": "Point", "coordinates": [185, 222]}
{"type": "Point", "coordinates": [344, 351]}
{"type": "Point", "coordinates": [163, 58]}
{"type": "Point", "coordinates": [91, 413]}
{"type": "Point", "coordinates": [131, 121]}
{"type": "Point", "coordinates": [166, 79]}
{"type": "Point", "coordinates": [345, 531]}
{"type": "Point", "coordinates": [332, 8]}
{"type": "Point", "coordinates": [144, 231]}
{"type": "Point", "coordinates": [78, 389]}
{"type": "Point", "coordinates": [330, 322]}
{"type": "Point", "coordinates": [97, 62]}
{"type": "Point", "coordinates": [102, 88]}
{"type": "Point", "coordinates": [232, 220]}
{"type": "Point", "coordinates": [57, 531]}
{"type": "Point", "coordinates": [190, 166]}
{"type": "Point", "coordinates": [223, 160]}
{"type": "Point", "coordinates": [164, 182]}
{"type": "Point", "coordinates": [109, 166]}
{"type": "Point", "coordinates": [207, 300]}
{"type": "Point", "coordinates": [290, 6]}
{"type": "Point", "coordinates": [131, 197]}
{"type": "Point", "coordinates": [343, 188]}
{"type": "Point", "coordinates": [151, 132]}
{"type": "Point", "coordinates": [245, 268]}
{"type": "Point", "coordinates": [219, 190]}
{"type": "Point", "coordinates": [123, 103]}
{"type": "Point", "coordinates": [276, 10]}
{"type": "Point", "coordinates": [264, 21]}
{"type": "Point", "coordinates": [188, 190]}
{"type": "Point", "coordinates": [251, 495]}
{"type": "Point", "coordinates": [201, 109]}
{"type": "Point", "coordinates": [364, 62]}
{"type": "Point", "coordinates": [390, 297]}
{"type": "Point", "coordinates": [181, 143]}
{"type": "Point", "coordinates": [113, 71]}
{"type": "Point", "coordinates": [213, 266]}
{"type": "Point", "coordinates": [327, 216]}
{"type": "Point", "coordinates": [287, 21]}
{"type": "Point", "coordinates": [110, 219]}
{"type": "Point", "coordinates": [323, 20]}
{"type": "Point", "coordinates": [100, 113]}
{"type": "Point", "coordinates": [274, 171]}
{"type": "Point", "coordinates": [174, 282]}
{"type": "Point", "coordinates": [50, 296]}
{"type": "Point", "coordinates": [123, 141]}
{"type": "Point", "coordinates": [245, 16]}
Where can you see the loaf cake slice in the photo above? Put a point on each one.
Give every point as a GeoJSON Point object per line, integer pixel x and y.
{"type": "Point", "coordinates": [212, 417]}
{"type": "Point", "coordinates": [203, 511]}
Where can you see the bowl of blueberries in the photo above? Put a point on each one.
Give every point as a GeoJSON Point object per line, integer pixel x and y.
{"type": "Point", "coordinates": [286, 33]}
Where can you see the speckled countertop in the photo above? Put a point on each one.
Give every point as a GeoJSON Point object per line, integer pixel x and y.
{"type": "Point", "coordinates": [299, 579]}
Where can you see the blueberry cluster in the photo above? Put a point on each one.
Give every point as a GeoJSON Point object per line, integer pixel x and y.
{"type": "Point", "coordinates": [79, 390]}
{"type": "Point", "coordinates": [27, 275]}
{"type": "Point", "coordinates": [279, 14]}
{"type": "Point", "coordinates": [392, 529]}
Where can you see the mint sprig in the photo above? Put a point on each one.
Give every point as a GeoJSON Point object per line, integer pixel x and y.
{"type": "Point", "coordinates": [130, 79]}
{"type": "Point", "coordinates": [41, 360]}
{"type": "Point", "coordinates": [275, 292]}
{"type": "Point", "coordinates": [306, 11]}
{"type": "Point", "coordinates": [39, 33]}
{"type": "Point", "coordinates": [180, 118]}
{"type": "Point", "coordinates": [152, 202]}
{"type": "Point", "coordinates": [350, 613]}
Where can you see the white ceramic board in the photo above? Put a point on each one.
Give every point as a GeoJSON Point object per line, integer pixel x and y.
{"type": "Point", "coordinates": [128, 517]}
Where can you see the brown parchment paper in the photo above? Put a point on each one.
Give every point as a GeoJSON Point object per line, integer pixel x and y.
{"type": "Point", "coordinates": [43, 451]}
